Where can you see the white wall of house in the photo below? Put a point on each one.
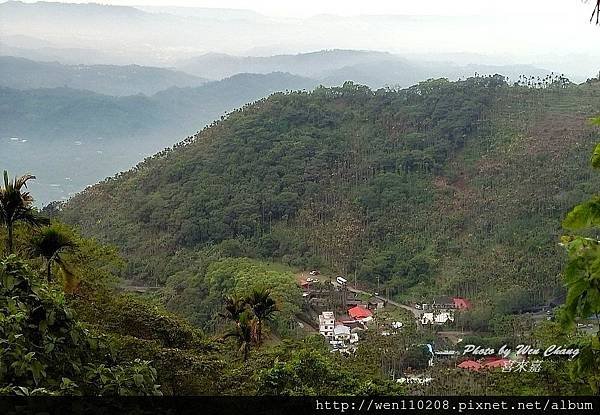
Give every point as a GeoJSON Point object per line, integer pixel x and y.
{"type": "Point", "coordinates": [327, 324]}
{"type": "Point", "coordinates": [437, 318]}
{"type": "Point", "coordinates": [341, 333]}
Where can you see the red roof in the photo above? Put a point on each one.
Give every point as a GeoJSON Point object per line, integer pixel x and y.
{"type": "Point", "coordinates": [497, 363]}
{"type": "Point", "coordinates": [470, 365]}
{"type": "Point", "coordinates": [359, 312]}
{"type": "Point", "coordinates": [461, 303]}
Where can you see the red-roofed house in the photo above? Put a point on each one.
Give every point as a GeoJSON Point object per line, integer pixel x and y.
{"type": "Point", "coordinates": [497, 363]}
{"type": "Point", "coordinates": [470, 365]}
{"type": "Point", "coordinates": [359, 313]}
{"type": "Point", "coordinates": [461, 303]}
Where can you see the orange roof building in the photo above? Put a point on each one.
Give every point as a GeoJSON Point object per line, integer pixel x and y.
{"type": "Point", "coordinates": [470, 365]}
{"type": "Point", "coordinates": [496, 363]}
{"type": "Point", "coordinates": [359, 312]}
{"type": "Point", "coordinates": [461, 303]}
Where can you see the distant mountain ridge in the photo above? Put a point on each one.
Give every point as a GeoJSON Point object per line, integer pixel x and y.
{"type": "Point", "coordinates": [312, 64]}
{"type": "Point", "coordinates": [163, 36]}
{"type": "Point", "coordinates": [334, 67]}
{"type": "Point", "coordinates": [116, 80]}
{"type": "Point", "coordinates": [61, 133]}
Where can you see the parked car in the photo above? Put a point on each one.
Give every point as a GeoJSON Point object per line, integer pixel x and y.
{"type": "Point", "coordinates": [314, 272]}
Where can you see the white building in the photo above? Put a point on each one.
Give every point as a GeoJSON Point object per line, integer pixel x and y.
{"type": "Point", "coordinates": [327, 324]}
{"type": "Point", "coordinates": [341, 333]}
{"type": "Point", "coordinates": [437, 318]}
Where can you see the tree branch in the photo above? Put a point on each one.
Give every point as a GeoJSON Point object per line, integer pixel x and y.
{"type": "Point", "coordinates": [596, 12]}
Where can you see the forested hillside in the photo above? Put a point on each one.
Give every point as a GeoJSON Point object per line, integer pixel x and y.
{"type": "Point", "coordinates": [445, 187]}
{"type": "Point", "coordinates": [66, 328]}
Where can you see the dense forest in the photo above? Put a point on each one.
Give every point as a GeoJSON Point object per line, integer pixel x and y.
{"type": "Point", "coordinates": [451, 188]}
{"type": "Point", "coordinates": [66, 329]}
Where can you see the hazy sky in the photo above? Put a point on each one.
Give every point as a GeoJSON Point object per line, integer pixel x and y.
{"type": "Point", "coordinates": [575, 8]}
{"type": "Point", "coordinates": [555, 34]}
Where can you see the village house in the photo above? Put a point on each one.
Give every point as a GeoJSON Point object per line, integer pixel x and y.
{"type": "Point", "coordinates": [327, 324]}
{"type": "Point", "coordinates": [461, 303]}
{"type": "Point", "coordinates": [355, 325]}
{"type": "Point", "coordinates": [446, 353]}
{"type": "Point", "coordinates": [359, 313]}
{"type": "Point", "coordinates": [352, 300]}
{"type": "Point", "coordinates": [446, 303]}
{"type": "Point", "coordinates": [344, 339]}
{"type": "Point", "coordinates": [470, 365]}
{"type": "Point", "coordinates": [489, 364]}
{"type": "Point", "coordinates": [440, 318]}
{"type": "Point", "coordinates": [305, 285]}
{"type": "Point", "coordinates": [375, 303]}
{"type": "Point", "coordinates": [443, 303]}
{"type": "Point", "coordinates": [341, 333]}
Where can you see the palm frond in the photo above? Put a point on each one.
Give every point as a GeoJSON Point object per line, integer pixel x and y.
{"type": "Point", "coordinates": [50, 241]}
{"type": "Point", "coordinates": [17, 206]}
{"type": "Point", "coordinates": [21, 181]}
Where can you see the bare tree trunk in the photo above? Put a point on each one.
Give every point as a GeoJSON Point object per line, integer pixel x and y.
{"type": "Point", "coordinates": [259, 332]}
{"type": "Point", "coordinates": [9, 242]}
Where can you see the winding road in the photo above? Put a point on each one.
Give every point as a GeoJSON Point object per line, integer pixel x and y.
{"type": "Point", "coordinates": [417, 313]}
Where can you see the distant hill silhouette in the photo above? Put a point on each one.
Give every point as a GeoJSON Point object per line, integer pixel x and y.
{"type": "Point", "coordinates": [61, 133]}
{"type": "Point", "coordinates": [23, 73]}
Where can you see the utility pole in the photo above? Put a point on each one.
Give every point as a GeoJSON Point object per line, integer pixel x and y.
{"type": "Point", "coordinates": [378, 285]}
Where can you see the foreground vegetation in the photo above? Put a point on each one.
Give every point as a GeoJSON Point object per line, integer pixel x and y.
{"type": "Point", "coordinates": [67, 330]}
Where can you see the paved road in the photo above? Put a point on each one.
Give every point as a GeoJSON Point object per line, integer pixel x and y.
{"type": "Point", "coordinates": [416, 313]}
{"type": "Point", "coordinates": [139, 288]}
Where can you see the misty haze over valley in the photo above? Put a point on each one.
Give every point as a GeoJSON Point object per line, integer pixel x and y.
{"type": "Point", "coordinates": [105, 86]}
